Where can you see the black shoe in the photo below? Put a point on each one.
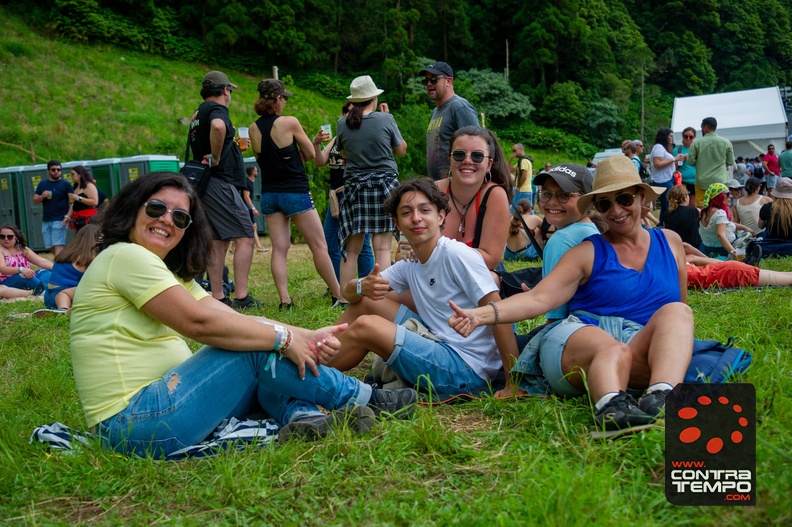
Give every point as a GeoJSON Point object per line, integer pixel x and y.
{"type": "Point", "coordinates": [225, 300]}
{"type": "Point", "coordinates": [654, 402]}
{"type": "Point", "coordinates": [246, 303]}
{"type": "Point", "coordinates": [39, 289]}
{"type": "Point", "coordinates": [621, 412]}
{"type": "Point", "coordinates": [360, 420]}
{"type": "Point", "coordinates": [286, 306]}
{"type": "Point", "coordinates": [753, 254]}
{"type": "Point", "coordinates": [398, 403]}
{"type": "Point", "coordinates": [334, 302]}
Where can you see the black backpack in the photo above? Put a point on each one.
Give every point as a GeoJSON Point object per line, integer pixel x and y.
{"type": "Point", "coordinates": [645, 176]}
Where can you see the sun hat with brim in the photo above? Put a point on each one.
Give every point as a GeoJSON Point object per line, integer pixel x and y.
{"type": "Point", "coordinates": [363, 89]}
{"type": "Point", "coordinates": [616, 173]}
{"type": "Point", "coordinates": [712, 191]}
{"type": "Point", "coordinates": [783, 188]}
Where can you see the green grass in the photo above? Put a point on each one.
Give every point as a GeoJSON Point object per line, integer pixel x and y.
{"type": "Point", "coordinates": [489, 462]}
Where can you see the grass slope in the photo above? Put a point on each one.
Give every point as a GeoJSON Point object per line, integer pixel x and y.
{"type": "Point", "coordinates": [490, 462]}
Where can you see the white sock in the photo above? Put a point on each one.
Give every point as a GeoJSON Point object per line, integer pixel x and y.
{"type": "Point", "coordinates": [605, 399]}
{"type": "Point", "coordinates": [658, 386]}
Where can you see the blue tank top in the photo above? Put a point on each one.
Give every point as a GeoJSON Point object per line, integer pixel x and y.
{"type": "Point", "coordinates": [613, 290]}
{"type": "Point", "coordinates": [65, 275]}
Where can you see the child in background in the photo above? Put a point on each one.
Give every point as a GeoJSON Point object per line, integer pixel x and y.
{"type": "Point", "coordinates": [69, 267]}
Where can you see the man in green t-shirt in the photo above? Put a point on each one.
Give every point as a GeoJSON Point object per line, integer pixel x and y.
{"type": "Point", "coordinates": [711, 155]}
{"type": "Point", "coordinates": [785, 160]}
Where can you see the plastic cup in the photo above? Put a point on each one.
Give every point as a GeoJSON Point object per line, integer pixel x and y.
{"type": "Point", "coordinates": [740, 254]}
{"type": "Point", "coordinates": [329, 131]}
{"type": "Point", "coordinates": [244, 138]}
{"type": "Point", "coordinates": [243, 132]}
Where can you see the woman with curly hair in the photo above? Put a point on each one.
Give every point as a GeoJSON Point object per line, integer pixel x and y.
{"type": "Point", "coordinates": [681, 218]}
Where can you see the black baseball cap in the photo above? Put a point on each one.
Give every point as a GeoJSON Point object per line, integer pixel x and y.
{"type": "Point", "coordinates": [438, 68]}
{"type": "Point", "coordinates": [571, 177]}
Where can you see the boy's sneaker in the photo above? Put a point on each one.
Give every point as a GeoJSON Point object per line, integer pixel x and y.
{"type": "Point", "coordinates": [39, 289]}
{"type": "Point", "coordinates": [399, 403]}
{"type": "Point", "coordinates": [334, 303]}
{"type": "Point", "coordinates": [654, 402]}
{"type": "Point", "coordinates": [360, 420]}
{"type": "Point", "coordinates": [621, 412]}
{"type": "Point", "coordinates": [47, 312]}
{"type": "Point", "coordinates": [753, 254]}
{"type": "Point", "coordinates": [246, 303]}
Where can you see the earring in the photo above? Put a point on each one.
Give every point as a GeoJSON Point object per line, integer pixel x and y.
{"type": "Point", "coordinates": [449, 174]}
{"type": "Point", "coordinates": [488, 177]}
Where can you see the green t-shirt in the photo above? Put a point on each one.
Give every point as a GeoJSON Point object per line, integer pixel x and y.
{"type": "Point", "coordinates": [710, 155]}
{"type": "Point", "coordinates": [785, 160]}
{"type": "Point", "coordinates": [118, 349]}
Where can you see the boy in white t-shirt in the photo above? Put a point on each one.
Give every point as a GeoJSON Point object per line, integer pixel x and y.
{"type": "Point", "coordinates": [444, 270]}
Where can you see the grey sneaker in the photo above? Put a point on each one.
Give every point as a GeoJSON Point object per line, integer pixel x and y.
{"type": "Point", "coordinates": [360, 420]}
{"type": "Point", "coordinates": [398, 403]}
{"type": "Point", "coordinates": [653, 403]}
{"type": "Point", "coordinates": [621, 412]}
{"type": "Point", "coordinates": [246, 303]}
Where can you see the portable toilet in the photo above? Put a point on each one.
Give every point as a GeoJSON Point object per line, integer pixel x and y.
{"type": "Point", "coordinates": [131, 168]}
{"type": "Point", "coordinates": [29, 216]}
{"type": "Point", "coordinates": [105, 172]}
{"type": "Point", "coordinates": [261, 221]}
{"type": "Point", "coordinates": [8, 207]}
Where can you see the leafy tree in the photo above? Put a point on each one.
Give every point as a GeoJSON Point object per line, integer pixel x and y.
{"type": "Point", "coordinates": [492, 95]}
{"type": "Point", "coordinates": [565, 107]}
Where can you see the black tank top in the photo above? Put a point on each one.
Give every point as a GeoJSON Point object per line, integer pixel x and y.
{"type": "Point", "coordinates": [282, 169]}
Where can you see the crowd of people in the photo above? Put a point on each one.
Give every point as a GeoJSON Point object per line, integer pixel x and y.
{"type": "Point", "coordinates": [433, 315]}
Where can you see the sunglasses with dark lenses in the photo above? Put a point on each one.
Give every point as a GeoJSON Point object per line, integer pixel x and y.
{"type": "Point", "coordinates": [54, 169]}
{"type": "Point", "coordinates": [157, 209]}
{"type": "Point", "coordinates": [7, 236]}
{"type": "Point", "coordinates": [688, 136]}
{"type": "Point", "coordinates": [624, 199]}
{"type": "Point", "coordinates": [432, 80]}
{"type": "Point", "coordinates": [562, 197]}
{"type": "Point", "coordinates": [477, 156]}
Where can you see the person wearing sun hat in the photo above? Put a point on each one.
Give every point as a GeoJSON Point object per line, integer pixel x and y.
{"type": "Point", "coordinates": [369, 140]}
{"type": "Point", "coordinates": [777, 218]}
{"type": "Point", "coordinates": [628, 321]}
{"type": "Point", "coordinates": [717, 230]}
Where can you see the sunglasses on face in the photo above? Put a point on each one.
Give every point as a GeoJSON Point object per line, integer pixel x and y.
{"type": "Point", "coordinates": [561, 196]}
{"type": "Point", "coordinates": [432, 80]}
{"type": "Point", "coordinates": [157, 209]}
{"type": "Point", "coordinates": [688, 136]}
{"type": "Point", "coordinates": [624, 199]}
{"type": "Point", "coordinates": [7, 236]}
{"type": "Point", "coordinates": [477, 156]}
{"type": "Point", "coordinates": [54, 169]}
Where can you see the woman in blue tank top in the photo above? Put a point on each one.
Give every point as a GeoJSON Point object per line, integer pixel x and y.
{"type": "Point", "coordinates": [629, 325]}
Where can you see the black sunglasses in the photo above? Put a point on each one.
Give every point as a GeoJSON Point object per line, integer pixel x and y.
{"type": "Point", "coordinates": [562, 197]}
{"type": "Point", "coordinates": [432, 80]}
{"type": "Point", "coordinates": [157, 209]}
{"type": "Point", "coordinates": [7, 236]}
{"type": "Point", "coordinates": [477, 156]}
{"type": "Point", "coordinates": [54, 169]}
{"type": "Point", "coordinates": [625, 199]}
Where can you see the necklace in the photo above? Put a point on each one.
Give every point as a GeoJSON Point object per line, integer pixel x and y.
{"type": "Point", "coordinates": [462, 213]}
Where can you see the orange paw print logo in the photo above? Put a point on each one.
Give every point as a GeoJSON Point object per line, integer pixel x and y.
{"type": "Point", "coordinates": [715, 443]}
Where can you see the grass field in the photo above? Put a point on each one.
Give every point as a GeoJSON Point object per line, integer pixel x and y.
{"type": "Point", "coordinates": [489, 462]}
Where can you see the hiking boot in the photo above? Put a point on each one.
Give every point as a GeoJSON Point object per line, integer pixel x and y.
{"type": "Point", "coordinates": [225, 300]}
{"type": "Point", "coordinates": [246, 303]}
{"type": "Point", "coordinates": [621, 412]}
{"type": "Point", "coordinates": [398, 403]}
{"type": "Point", "coordinates": [654, 402]}
{"type": "Point", "coordinates": [360, 420]}
{"type": "Point", "coordinates": [753, 254]}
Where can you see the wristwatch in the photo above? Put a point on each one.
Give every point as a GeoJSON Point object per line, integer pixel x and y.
{"type": "Point", "coordinates": [19, 270]}
{"type": "Point", "coordinates": [79, 198]}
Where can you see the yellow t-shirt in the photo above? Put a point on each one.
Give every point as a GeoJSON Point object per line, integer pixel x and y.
{"type": "Point", "coordinates": [524, 164]}
{"type": "Point", "coordinates": [117, 349]}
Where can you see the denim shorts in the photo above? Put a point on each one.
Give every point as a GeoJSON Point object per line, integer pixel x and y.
{"type": "Point", "coordinates": [419, 360]}
{"type": "Point", "coordinates": [54, 233]}
{"type": "Point", "coordinates": [287, 203]}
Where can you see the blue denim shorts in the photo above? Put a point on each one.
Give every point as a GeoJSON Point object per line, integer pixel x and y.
{"type": "Point", "coordinates": [287, 203]}
{"type": "Point", "coordinates": [417, 358]}
{"type": "Point", "coordinates": [54, 233]}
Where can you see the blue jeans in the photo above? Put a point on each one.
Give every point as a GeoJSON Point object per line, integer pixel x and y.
{"type": "Point", "coordinates": [365, 261]}
{"type": "Point", "coordinates": [187, 403]}
{"type": "Point", "coordinates": [288, 203]}
{"type": "Point", "coordinates": [18, 281]}
{"type": "Point", "coordinates": [54, 233]}
{"type": "Point", "coordinates": [664, 199]}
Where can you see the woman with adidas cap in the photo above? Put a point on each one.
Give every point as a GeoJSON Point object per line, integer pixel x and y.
{"type": "Point", "coordinates": [617, 333]}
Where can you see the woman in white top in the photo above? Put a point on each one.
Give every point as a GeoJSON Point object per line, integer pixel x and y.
{"type": "Point", "coordinates": [746, 209]}
{"type": "Point", "coordinates": [664, 164]}
{"type": "Point", "coordinates": [717, 230]}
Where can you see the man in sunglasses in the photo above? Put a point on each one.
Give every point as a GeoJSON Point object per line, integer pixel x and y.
{"type": "Point", "coordinates": [452, 113]}
{"type": "Point", "coordinates": [53, 195]}
{"type": "Point", "coordinates": [212, 140]}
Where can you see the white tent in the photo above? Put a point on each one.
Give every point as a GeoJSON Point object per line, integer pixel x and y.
{"type": "Point", "coordinates": [750, 119]}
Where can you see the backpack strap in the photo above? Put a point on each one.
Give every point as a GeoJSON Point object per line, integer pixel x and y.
{"type": "Point", "coordinates": [480, 218]}
{"type": "Point", "coordinates": [534, 243]}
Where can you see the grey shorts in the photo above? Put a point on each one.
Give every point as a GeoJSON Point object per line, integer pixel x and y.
{"type": "Point", "coordinates": [227, 213]}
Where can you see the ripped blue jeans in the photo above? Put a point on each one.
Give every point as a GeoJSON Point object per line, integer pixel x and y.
{"type": "Point", "coordinates": [187, 403]}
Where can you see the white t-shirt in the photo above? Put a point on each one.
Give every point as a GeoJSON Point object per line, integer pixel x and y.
{"type": "Point", "coordinates": [665, 174]}
{"type": "Point", "coordinates": [453, 272]}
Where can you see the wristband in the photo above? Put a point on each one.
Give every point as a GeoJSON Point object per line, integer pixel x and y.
{"type": "Point", "coordinates": [79, 198]}
{"type": "Point", "coordinates": [497, 314]}
{"type": "Point", "coordinates": [359, 287]}
{"type": "Point", "coordinates": [213, 159]}
{"type": "Point", "coordinates": [280, 338]}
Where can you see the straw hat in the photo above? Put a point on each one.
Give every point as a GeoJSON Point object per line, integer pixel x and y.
{"type": "Point", "coordinates": [363, 89]}
{"type": "Point", "coordinates": [617, 173]}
